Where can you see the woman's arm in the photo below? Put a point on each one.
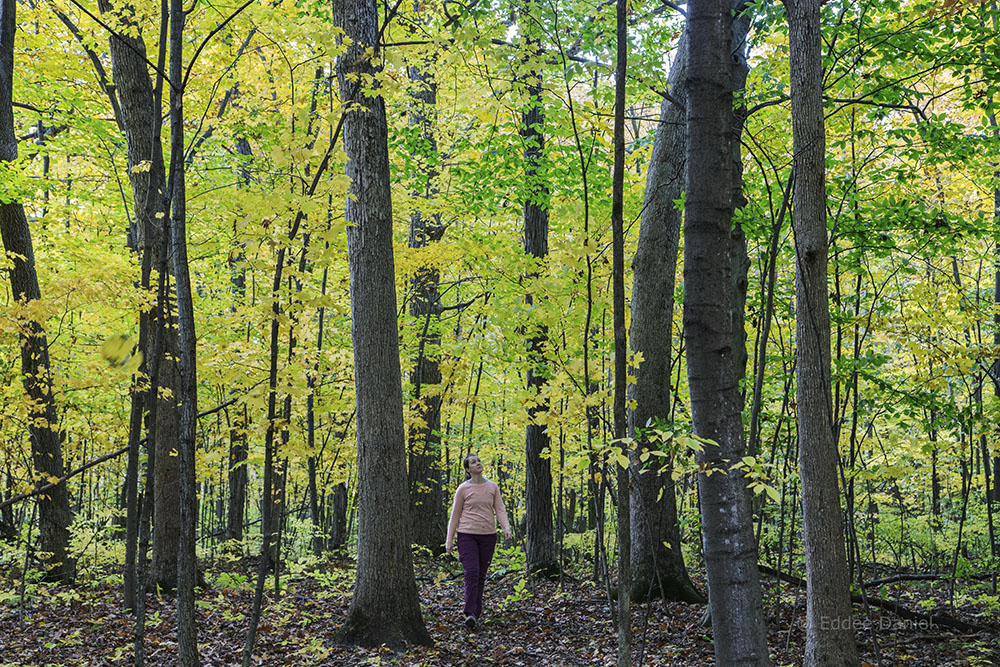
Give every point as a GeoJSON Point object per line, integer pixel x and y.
{"type": "Point", "coordinates": [456, 513]}
{"type": "Point", "coordinates": [501, 512]}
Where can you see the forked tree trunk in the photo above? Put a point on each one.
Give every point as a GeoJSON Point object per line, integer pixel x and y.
{"type": "Point", "coordinates": [657, 562]}
{"type": "Point", "coordinates": [716, 404]}
{"type": "Point", "coordinates": [54, 515]}
{"type": "Point", "coordinates": [384, 608]}
{"type": "Point", "coordinates": [829, 631]}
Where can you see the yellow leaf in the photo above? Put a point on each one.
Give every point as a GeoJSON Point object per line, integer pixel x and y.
{"type": "Point", "coordinates": [117, 350]}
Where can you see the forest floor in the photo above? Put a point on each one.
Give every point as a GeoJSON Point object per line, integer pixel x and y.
{"type": "Point", "coordinates": [526, 622]}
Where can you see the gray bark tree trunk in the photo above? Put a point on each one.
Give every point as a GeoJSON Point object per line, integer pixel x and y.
{"type": "Point", "coordinates": [140, 114]}
{"type": "Point", "coordinates": [315, 512]}
{"type": "Point", "coordinates": [427, 500]}
{"type": "Point", "coordinates": [238, 450]}
{"type": "Point", "coordinates": [829, 633]}
{"type": "Point", "coordinates": [540, 547]}
{"type": "Point", "coordinates": [237, 475]}
{"type": "Point", "coordinates": [996, 321]}
{"type": "Point", "coordinates": [338, 518]}
{"type": "Point", "coordinates": [658, 568]}
{"type": "Point", "coordinates": [619, 412]}
{"type": "Point", "coordinates": [991, 117]}
{"type": "Point", "coordinates": [385, 608]}
{"type": "Point", "coordinates": [716, 404]}
{"type": "Point", "coordinates": [54, 515]}
{"type": "Point", "coordinates": [739, 70]}
{"type": "Point", "coordinates": [187, 574]}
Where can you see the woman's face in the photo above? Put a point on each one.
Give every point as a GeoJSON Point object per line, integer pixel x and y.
{"type": "Point", "coordinates": [474, 465]}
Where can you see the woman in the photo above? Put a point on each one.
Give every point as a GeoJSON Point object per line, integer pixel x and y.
{"type": "Point", "coordinates": [477, 500]}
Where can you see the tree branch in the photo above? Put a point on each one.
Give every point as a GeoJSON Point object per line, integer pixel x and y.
{"type": "Point", "coordinates": [208, 37]}
{"type": "Point", "coordinates": [102, 75]}
{"type": "Point", "coordinates": [86, 466]}
{"type": "Point", "coordinates": [123, 38]}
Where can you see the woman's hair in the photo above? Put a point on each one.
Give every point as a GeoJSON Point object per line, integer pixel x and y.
{"type": "Point", "coordinates": [465, 464]}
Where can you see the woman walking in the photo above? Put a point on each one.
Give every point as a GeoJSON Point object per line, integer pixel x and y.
{"type": "Point", "coordinates": [477, 501]}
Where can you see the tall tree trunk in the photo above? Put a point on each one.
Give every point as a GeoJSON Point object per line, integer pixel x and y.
{"type": "Point", "coordinates": [657, 562]}
{"type": "Point", "coordinates": [132, 502]}
{"type": "Point", "coordinates": [187, 575]}
{"type": "Point", "coordinates": [620, 418]}
{"type": "Point", "coordinates": [427, 513]}
{"type": "Point", "coordinates": [993, 485]}
{"type": "Point", "coordinates": [315, 508]}
{"type": "Point", "coordinates": [716, 404]}
{"type": "Point", "coordinates": [739, 70]}
{"type": "Point", "coordinates": [238, 450]}
{"type": "Point", "coordinates": [54, 515]}
{"type": "Point", "coordinates": [540, 545]}
{"type": "Point", "coordinates": [139, 101]}
{"type": "Point", "coordinates": [384, 608]}
{"type": "Point", "coordinates": [995, 131]}
{"type": "Point", "coordinates": [829, 633]}
{"type": "Point", "coordinates": [996, 316]}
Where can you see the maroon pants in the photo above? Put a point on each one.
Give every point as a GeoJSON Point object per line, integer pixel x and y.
{"type": "Point", "coordinates": [475, 552]}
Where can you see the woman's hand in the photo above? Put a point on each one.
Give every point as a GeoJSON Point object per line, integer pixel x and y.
{"type": "Point", "coordinates": [449, 549]}
{"type": "Point", "coordinates": [506, 533]}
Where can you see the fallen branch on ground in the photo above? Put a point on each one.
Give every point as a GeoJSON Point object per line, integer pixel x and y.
{"type": "Point", "coordinates": [893, 607]}
{"type": "Point", "coordinates": [919, 577]}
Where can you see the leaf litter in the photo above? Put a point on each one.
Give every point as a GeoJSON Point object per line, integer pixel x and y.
{"type": "Point", "coordinates": [526, 622]}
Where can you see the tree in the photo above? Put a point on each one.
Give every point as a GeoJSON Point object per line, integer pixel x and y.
{"type": "Point", "coordinates": [139, 103]}
{"type": "Point", "coordinates": [716, 405]}
{"type": "Point", "coordinates": [991, 118]}
{"type": "Point", "coordinates": [427, 496]}
{"type": "Point", "coordinates": [54, 515]}
{"type": "Point", "coordinates": [829, 632]}
{"type": "Point", "coordinates": [238, 476]}
{"type": "Point", "coordinates": [618, 307]}
{"type": "Point", "coordinates": [657, 562]}
{"type": "Point", "coordinates": [384, 608]}
{"type": "Point", "coordinates": [540, 551]}
{"type": "Point", "coordinates": [187, 574]}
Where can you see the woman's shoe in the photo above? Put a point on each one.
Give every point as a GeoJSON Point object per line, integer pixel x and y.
{"type": "Point", "coordinates": [470, 622]}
